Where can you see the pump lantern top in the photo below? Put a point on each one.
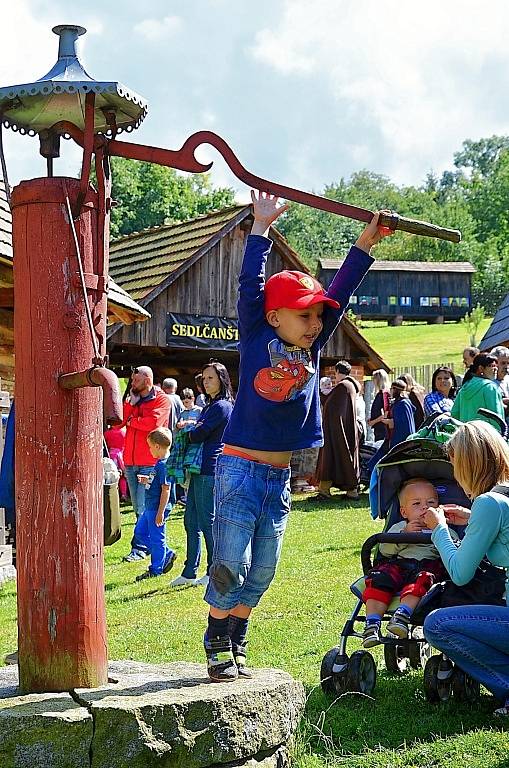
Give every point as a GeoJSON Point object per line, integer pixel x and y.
{"type": "Point", "coordinates": [60, 96]}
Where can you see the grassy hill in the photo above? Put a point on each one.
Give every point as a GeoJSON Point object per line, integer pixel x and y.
{"type": "Point", "coordinates": [420, 344]}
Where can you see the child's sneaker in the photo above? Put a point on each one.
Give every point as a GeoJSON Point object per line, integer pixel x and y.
{"type": "Point", "coordinates": [501, 711]}
{"type": "Point", "coordinates": [371, 636]}
{"type": "Point", "coordinates": [239, 654]}
{"type": "Point", "coordinates": [146, 575]}
{"type": "Point", "coordinates": [398, 625]}
{"type": "Point", "coordinates": [170, 561]}
{"type": "Point", "coordinates": [134, 555]}
{"type": "Point", "coordinates": [220, 662]}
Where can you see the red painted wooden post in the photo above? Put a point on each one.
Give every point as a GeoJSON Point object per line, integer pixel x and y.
{"type": "Point", "coordinates": [61, 612]}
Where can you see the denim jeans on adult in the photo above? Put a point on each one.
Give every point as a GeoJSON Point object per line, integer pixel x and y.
{"type": "Point", "coordinates": [137, 493]}
{"type": "Point", "coordinates": [198, 518]}
{"type": "Point", "coordinates": [153, 537]}
{"type": "Point", "coordinates": [252, 502]}
{"type": "Point", "coordinates": [476, 638]}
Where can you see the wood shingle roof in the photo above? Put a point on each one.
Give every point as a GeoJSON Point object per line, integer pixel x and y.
{"type": "Point", "coordinates": [5, 222]}
{"type": "Point", "coordinates": [498, 332]}
{"type": "Point", "coordinates": [145, 261]}
{"type": "Point", "coordinates": [406, 266]}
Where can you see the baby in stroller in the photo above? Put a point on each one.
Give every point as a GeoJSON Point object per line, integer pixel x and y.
{"type": "Point", "coordinates": [407, 568]}
{"type": "Point", "coordinates": [413, 476]}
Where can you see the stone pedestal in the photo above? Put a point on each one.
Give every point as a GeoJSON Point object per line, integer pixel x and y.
{"type": "Point", "coordinates": [148, 716]}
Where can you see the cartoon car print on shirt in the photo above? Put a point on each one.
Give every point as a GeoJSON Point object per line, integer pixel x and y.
{"type": "Point", "coordinates": [291, 370]}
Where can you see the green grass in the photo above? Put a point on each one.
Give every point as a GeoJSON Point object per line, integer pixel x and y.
{"type": "Point", "coordinates": [420, 344]}
{"type": "Point", "coordinates": [298, 620]}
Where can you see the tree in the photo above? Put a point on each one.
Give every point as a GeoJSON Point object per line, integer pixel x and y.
{"type": "Point", "coordinates": [481, 156]}
{"type": "Point", "coordinates": [472, 321]}
{"type": "Point", "coordinates": [315, 234]}
{"type": "Point", "coordinates": [148, 195]}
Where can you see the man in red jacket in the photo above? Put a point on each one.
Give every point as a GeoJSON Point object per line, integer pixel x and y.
{"type": "Point", "coordinates": [145, 409]}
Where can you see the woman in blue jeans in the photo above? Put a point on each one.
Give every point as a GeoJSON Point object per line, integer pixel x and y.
{"type": "Point", "coordinates": [199, 514]}
{"type": "Point", "coordinates": [475, 637]}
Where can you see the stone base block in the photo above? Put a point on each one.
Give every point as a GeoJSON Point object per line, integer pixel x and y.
{"type": "Point", "coordinates": [148, 716]}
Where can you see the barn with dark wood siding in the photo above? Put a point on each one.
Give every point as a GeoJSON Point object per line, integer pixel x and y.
{"type": "Point", "coordinates": [413, 290]}
{"type": "Point", "coordinates": [186, 276]}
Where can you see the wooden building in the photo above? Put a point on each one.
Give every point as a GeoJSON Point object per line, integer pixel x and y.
{"type": "Point", "coordinates": [413, 290]}
{"type": "Point", "coordinates": [121, 307]}
{"type": "Point", "coordinates": [497, 334]}
{"type": "Point", "coordinates": [186, 276]}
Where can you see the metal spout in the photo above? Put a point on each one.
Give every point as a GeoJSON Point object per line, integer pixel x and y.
{"type": "Point", "coordinates": [98, 377]}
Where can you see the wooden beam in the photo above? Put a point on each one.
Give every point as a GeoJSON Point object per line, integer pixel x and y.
{"type": "Point", "coordinates": [7, 298]}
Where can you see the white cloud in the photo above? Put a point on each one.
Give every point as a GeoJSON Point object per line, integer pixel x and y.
{"type": "Point", "coordinates": [155, 29]}
{"type": "Point", "coordinates": [417, 78]}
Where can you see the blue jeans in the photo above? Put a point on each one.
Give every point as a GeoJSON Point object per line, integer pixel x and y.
{"type": "Point", "coordinates": [153, 538]}
{"type": "Point", "coordinates": [476, 638]}
{"type": "Point", "coordinates": [252, 504]}
{"type": "Point", "coordinates": [198, 518]}
{"type": "Point", "coordinates": [137, 493]}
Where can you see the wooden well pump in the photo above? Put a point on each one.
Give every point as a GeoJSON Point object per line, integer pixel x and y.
{"type": "Point", "coordinates": [60, 240]}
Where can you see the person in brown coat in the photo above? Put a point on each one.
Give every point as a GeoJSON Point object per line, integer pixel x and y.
{"type": "Point", "coordinates": [338, 462]}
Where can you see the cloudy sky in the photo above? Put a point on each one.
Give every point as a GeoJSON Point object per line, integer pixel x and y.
{"type": "Point", "coordinates": [304, 92]}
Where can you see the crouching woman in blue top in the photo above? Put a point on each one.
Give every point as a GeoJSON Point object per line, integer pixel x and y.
{"type": "Point", "coordinates": [476, 637]}
{"type": "Point", "coordinates": [283, 324]}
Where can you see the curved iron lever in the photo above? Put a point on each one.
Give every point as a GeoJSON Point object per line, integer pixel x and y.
{"type": "Point", "coordinates": [184, 160]}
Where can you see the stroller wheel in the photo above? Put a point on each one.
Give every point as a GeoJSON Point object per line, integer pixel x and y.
{"type": "Point", "coordinates": [438, 678]}
{"type": "Point", "coordinates": [361, 674]}
{"type": "Point", "coordinates": [464, 687]}
{"type": "Point", "coordinates": [395, 658]}
{"type": "Point", "coordinates": [419, 653]}
{"type": "Point", "coordinates": [333, 682]}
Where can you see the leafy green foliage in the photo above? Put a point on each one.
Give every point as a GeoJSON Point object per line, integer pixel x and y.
{"type": "Point", "coordinates": [473, 199]}
{"type": "Point", "coordinates": [148, 195]}
{"type": "Point", "coordinates": [472, 321]}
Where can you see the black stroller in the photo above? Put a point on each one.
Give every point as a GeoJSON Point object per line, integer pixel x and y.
{"type": "Point", "coordinates": [341, 672]}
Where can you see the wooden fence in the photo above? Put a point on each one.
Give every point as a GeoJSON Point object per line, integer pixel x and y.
{"type": "Point", "coordinates": [421, 373]}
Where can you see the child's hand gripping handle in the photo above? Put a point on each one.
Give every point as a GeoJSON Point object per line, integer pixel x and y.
{"type": "Point", "coordinates": [416, 227]}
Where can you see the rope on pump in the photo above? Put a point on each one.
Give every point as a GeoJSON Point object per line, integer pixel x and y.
{"type": "Point", "coordinates": [81, 272]}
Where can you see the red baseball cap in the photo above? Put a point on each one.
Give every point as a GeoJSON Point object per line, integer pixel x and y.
{"type": "Point", "coordinates": [290, 289]}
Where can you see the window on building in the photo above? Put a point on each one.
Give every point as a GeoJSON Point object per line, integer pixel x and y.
{"type": "Point", "coordinates": [393, 301]}
{"type": "Point", "coordinates": [353, 299]}
{"type": "Point", "coordinates": [405, 301]}
{"type": "Point", "coordinates": [374, 300]}
{"type": "Point", "coordinates": [364, 300]}
{"type": "Point", "coordinates": [445, 301]}
{"type": "Point", "coordinates": [424, 301]}
{"type": "Point", "coordinates": [435, 301]}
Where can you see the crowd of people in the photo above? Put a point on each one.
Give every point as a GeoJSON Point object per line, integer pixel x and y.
{"type": "Point", "coordinates": [398, 409]}
{"type": "Point", "coordinates": [230, 458]}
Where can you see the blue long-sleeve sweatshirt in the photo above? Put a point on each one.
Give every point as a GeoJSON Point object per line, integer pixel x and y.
{"type": "Point", "coordinates": [209, 431]}
{"type": "Point", "coordinates": [487, 533]}
{"type": "Point", "coordinates": [278, 405]}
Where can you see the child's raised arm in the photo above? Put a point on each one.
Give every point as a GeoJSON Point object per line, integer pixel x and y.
{"type": "Point", "coordinates": [266, 210]}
